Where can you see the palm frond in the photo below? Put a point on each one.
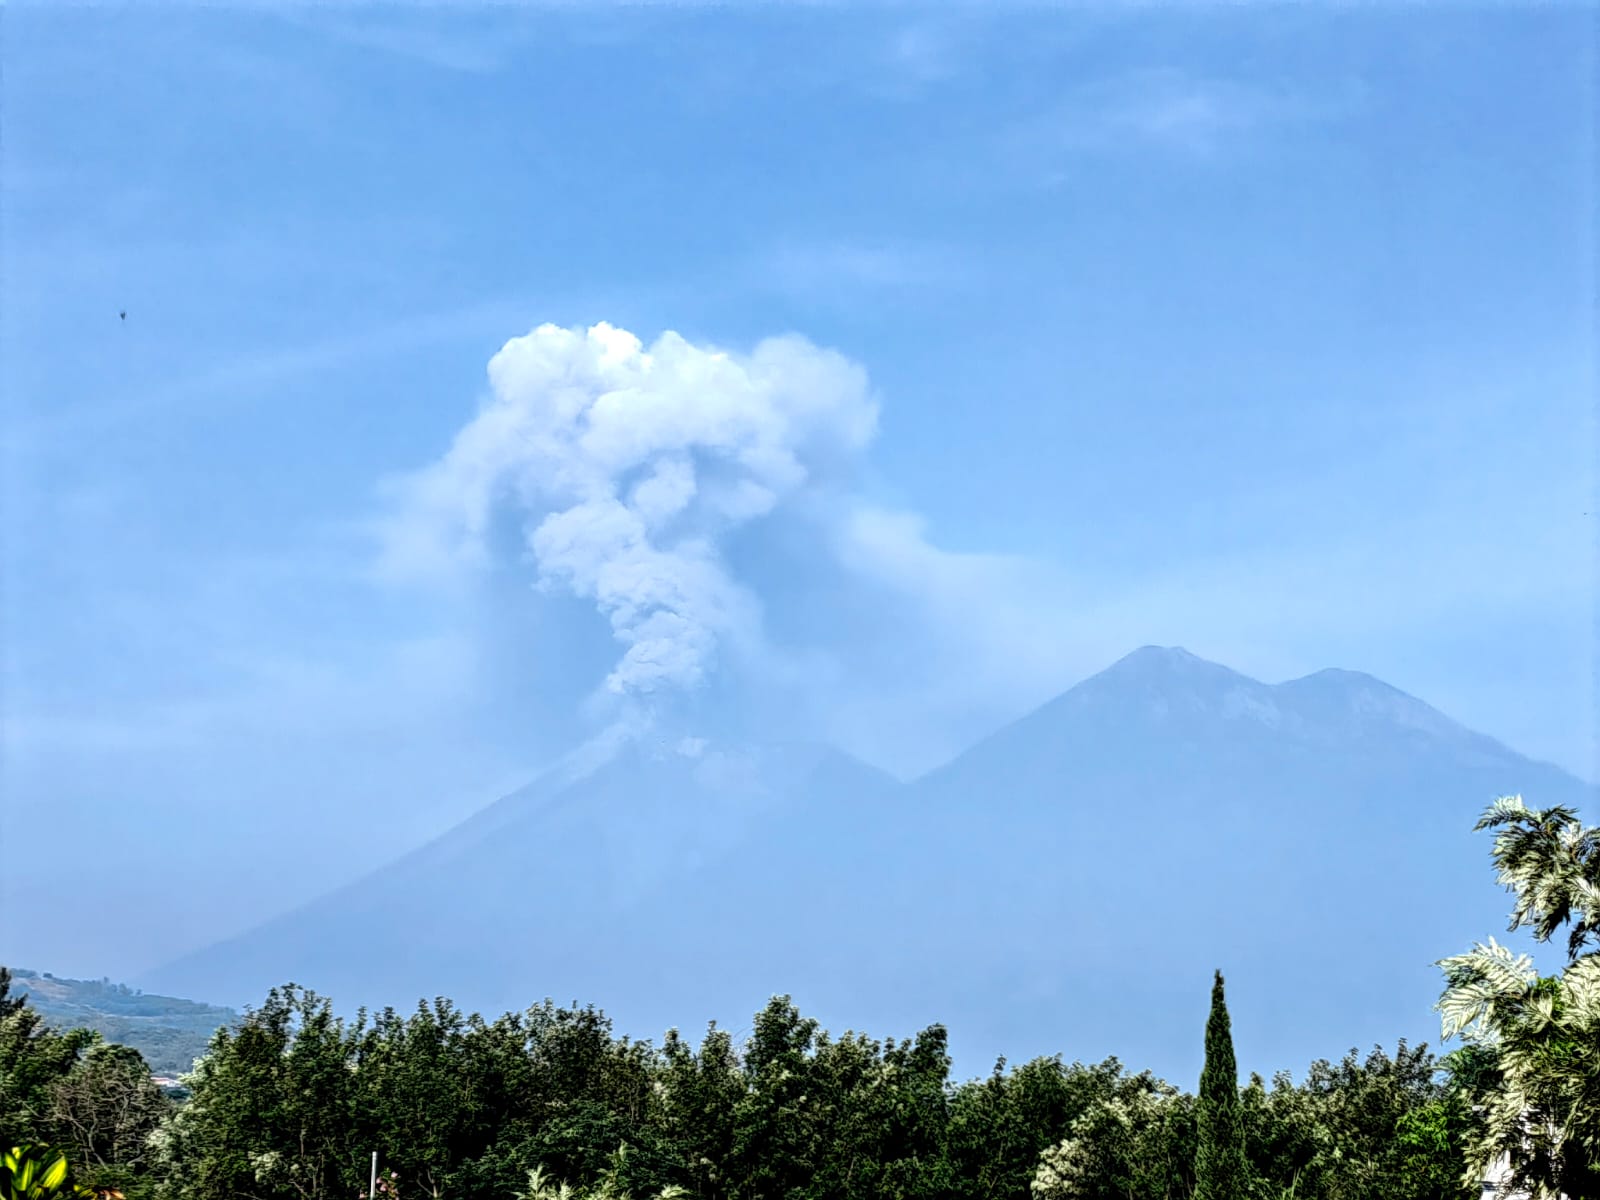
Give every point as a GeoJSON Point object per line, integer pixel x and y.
{"type": "Point", "coordinates": [1551, 865]}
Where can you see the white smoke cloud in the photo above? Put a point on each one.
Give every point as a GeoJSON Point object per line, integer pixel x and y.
{"type": "Point", "coordinates": [627, 467]}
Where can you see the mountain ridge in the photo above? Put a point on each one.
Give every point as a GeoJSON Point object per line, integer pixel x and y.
{"type": "Point", "coordinates": [1172, 680]}
{"type": "Point", "coordinates": [670, 893]}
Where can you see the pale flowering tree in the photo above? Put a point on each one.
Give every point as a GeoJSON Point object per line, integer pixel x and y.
{"type": "Point", "coordinates": [541, 1187]}
{"type": "Point", "coordinates": [1112, 1149]}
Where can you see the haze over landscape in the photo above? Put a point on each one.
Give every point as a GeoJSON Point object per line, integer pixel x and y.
{"type": "Point", "coordinates": [663, 507]}
{"type": "Point", "coordinates": [692, 883]}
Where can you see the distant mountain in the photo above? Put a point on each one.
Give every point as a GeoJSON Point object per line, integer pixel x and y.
{"type": "Point", "coordinates": [576, 887]}
{"type": "Point", "coordinates": [169, 1032]}
{"type": "Point", "coordinates": [1066, 885]}
{"type": "Point", "coordinates": [1170, 816]}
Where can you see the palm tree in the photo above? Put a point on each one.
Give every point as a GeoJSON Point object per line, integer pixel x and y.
{"type": "Point", "coordinates": [1551, 864]}
{"type": "Point", "coordinates": [1537, 1038]}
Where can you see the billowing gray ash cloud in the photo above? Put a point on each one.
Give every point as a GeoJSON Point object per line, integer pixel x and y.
{"type": "Point", "coordinates": [628, 467]}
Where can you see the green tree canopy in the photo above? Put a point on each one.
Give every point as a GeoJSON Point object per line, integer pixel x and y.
{"type": "Point", "coordinates": [33, 1059]}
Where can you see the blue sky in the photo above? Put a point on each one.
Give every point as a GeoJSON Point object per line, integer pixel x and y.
{"type": "Point", "coordinates": [1267, 333]}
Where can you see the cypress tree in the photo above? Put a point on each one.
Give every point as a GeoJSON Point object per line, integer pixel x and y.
{"type": "Point", "coordinates": [1220, 1170]}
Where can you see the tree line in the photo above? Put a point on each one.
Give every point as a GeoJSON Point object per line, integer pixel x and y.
{"type": "Point", "coordinates": [290, 1102]}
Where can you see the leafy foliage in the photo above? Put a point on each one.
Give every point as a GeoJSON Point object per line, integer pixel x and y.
{"type": "Point", "coordinates": [290, 1103]}
{"type": "Point", "coordinates": [273, 1107]}
{"type": "Point", "coordinates": [1536, 1074]}
{"type": "Point", "coordinates": [999, 1128]}
{"type": "Point", "coordinates": [1136, 1142]}
{"type": "Point", "coordinates": [1359, 1129]}
{"type": "Point", "coordinates": [107, 1107]}
{"type": "Point", "coordinates": [33, 1059]}
{"type": "Point", "coordinates": [30, 1172]}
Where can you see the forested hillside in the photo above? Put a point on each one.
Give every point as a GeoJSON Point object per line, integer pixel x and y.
{"type": "Point", "coordinates": [168, 1031]}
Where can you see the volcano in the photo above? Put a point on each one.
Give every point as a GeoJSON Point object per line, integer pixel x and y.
{"type": "Point", "coordinates": [1066, 886]}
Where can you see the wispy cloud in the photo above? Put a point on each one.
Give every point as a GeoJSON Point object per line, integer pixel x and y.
{"type": "Point", "coordinates": [930, 52]}
{"type": "Point", "coordinates": [1170, 111]}
{"type": "Point", "coordinates": [835, 270]}
{"type": "Point", "coordinates": [924, 53]}
{"type": "Point", "coordinates": [475, 43]}
{"type": "Point", "coordinates": [248, 373]}
{"type": "Point", "coordinates": [988, 637]}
